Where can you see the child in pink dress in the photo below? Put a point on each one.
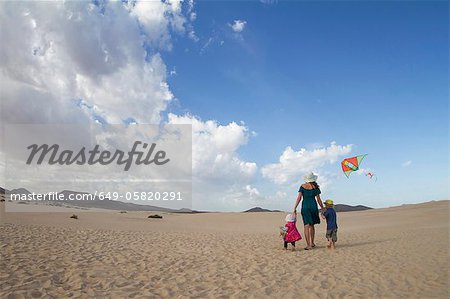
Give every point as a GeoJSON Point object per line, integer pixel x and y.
{"type": "Point", "coordinates": [292, 235]}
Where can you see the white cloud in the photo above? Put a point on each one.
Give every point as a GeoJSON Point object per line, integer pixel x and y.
{"type": "Point", "coordinates": [193, 36]}
{"type": "Point", "coordinates": [207, 44]}
{"type": "Point", "coordinates": [268, 2]}
{"type": "Point", "coordinates": [211, 42]}
{"type": "Point", "coordinates": [252, 191]}
{"type": "Point", "coordinates": [191, 4]}
{"type": "Point", "coordinates": [407, 163]}
{"type": "Point", "coordinates": [214, 152]}
{"type": "Point", "coordinates": [52, 68]}
{"type": "Point", "coordinates": [76, 62]}
{"type": "Point", "coordinates": [238, 25]}
{"type": "Point", "coordinates": [157, 18]}
{"type": "Point", "coordinates": [221, 180]}
{"type": "Point", "coordinates": [192, 16]}
{"type": "Point", "coordinates": [173, 72]}
{"type": "Point", "coordinates": [293, 164]}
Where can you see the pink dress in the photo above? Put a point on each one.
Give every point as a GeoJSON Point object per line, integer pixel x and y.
{"type": "Point", "coordinates": [292, 234]}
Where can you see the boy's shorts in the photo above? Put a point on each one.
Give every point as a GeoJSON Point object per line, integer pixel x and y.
{"type": "Point", "coordinates": [332, 234]}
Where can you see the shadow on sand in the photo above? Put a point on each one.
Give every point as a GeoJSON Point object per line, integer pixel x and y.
{"type": "Point", "coordinates": [348, 245]}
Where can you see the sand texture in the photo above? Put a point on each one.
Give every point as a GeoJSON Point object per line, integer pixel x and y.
{"type": "Point", "coordinates": [400, 252]}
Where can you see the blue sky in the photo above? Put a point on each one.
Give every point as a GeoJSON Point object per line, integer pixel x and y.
{"type": "Point", "coordinates": [303, 74]}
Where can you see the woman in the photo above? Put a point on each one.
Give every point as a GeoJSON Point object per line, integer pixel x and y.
{"type": "Point", "coordinates": [310, 193]}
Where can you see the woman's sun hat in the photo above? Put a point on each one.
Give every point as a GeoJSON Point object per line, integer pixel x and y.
{"type": "Point", "coordinates": [329, 202]}
{"type": "Point", "coordinates": [290, 218]}
{"type": "Point", "coordinates": [310, 177]}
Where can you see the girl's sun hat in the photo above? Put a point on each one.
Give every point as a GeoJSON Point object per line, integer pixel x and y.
{"type": "Point", "coordinates": [310, 177]}
{"type": "Point", "coordinates": [290, 218]}
{"type": "Point", "coordinates": [329, 202]}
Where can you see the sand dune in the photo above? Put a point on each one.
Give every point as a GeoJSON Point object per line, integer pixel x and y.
{"type": "Point", "coordinates": [397, 252]}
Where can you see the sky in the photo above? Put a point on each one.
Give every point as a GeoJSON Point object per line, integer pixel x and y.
{"type": "Point", "coordinates": [273, 89]}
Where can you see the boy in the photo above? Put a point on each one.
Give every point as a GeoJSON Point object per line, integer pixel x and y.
{"type": "Point", "coordinates": [331, 217]}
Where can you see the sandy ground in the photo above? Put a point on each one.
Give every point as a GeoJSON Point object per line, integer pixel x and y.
{"type": "Point", "coordinates": [400, 252]}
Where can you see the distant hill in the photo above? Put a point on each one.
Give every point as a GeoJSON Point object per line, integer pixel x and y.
{"type": "Point", "coordinates": [348, 208]}
{"type": "Point", "coordinates": [2, 190]}
{"type": "Point", "coordinates": [19, 191]}
{"type": "Point", "coordinates": [338, 208]}
{"type": "Point", "coordinates": [259, 210]}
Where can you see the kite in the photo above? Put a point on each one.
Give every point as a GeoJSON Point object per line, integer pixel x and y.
{"type": "Point", "coordinates": [351, 164]}
{"type": "Point", "coordinates": [372, 175]}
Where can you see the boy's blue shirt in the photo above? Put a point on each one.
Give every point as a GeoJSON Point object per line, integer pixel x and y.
{"type": "Point", "coordinates": [330, 215]}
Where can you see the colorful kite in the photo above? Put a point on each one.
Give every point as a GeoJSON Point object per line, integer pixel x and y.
{"type": "Point", "coordinates": [351, 164]}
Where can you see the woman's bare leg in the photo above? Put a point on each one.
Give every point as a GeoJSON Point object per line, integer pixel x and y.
{"type": "Point", "coordinates": [306, 230]}
{"type": "Point", "coordinates": [313, 234]}
{"type": "Point", "coordinates": [308, 236]}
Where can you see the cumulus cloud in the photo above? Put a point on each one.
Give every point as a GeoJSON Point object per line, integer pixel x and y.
{"type": "Point", "coordinates": [252, 191]}
{"type": "Point", "coordinates": [293, 164]}
{"type": "Point", "coordinates": [221, 179]}
{"type": "Point", "coordinates": [214, 149]}
{"type": "Point", "coordinates": [79, 62]}
{"type": "Point", "coordinates": [238, 25]}
{"type": "Point", "coordinates": [158, 18]}
{"type": "Point", "coordinates": [75, 60]}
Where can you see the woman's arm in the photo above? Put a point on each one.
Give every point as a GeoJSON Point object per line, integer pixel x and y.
{"type": "Point", "coordinates": [299, 198]}
{"type": "Point", "coordinates": [319, 201]}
